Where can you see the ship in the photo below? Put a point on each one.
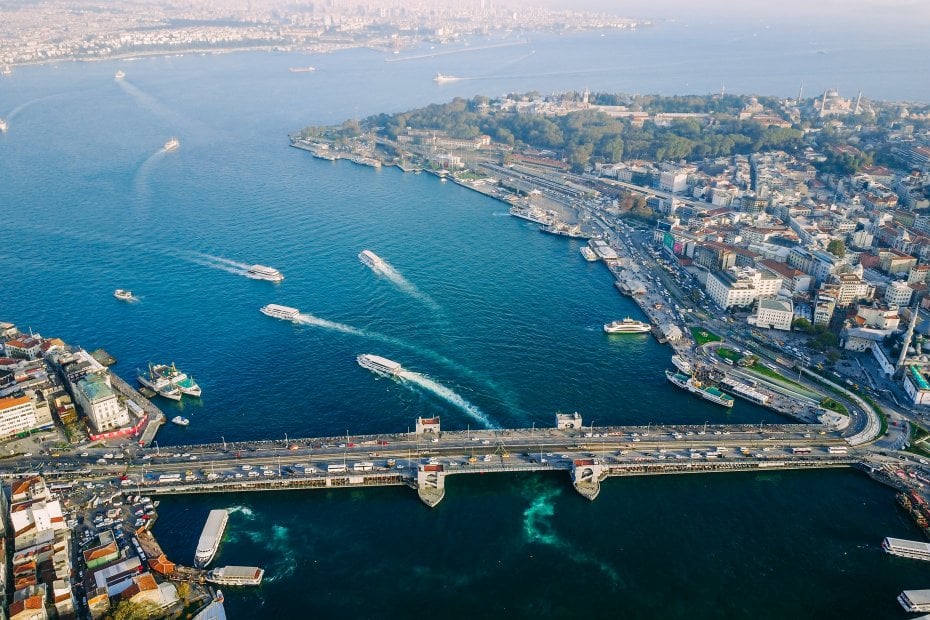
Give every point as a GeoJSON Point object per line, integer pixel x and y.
{"type": "Point", "coordinates": [180, 421]}
{"type": "Point", "coordinates": [280, 312]}
{"type": "Point", "coordinates": [183, 382]}
{"type": "Point", "coordinates": [173, 144]}
{"type": "Point", "coordinates": [588, 254]}
{"type": "Point", "coordinates": [3, 126]}
{"type": "Point", "coordinates": [439, 78]}
{"type": "Point", "coordinates": [236, 575]}
{"type": "Point", "coordinates": [123, 295]}
{"type": "Point", "coordinates": [210, 537]}
{"type": "Point", "coordinates": [694, 386]}
{"type": "Point", "coordinates": [302, 69]}
{"type": "Point", "coordinates": [907, 548]}
{"type": "Point", "coordinates": [744, 390]}
{"type": "Point", "coordinates": [261, 272]}
{"type": "Point", "coordinates": [119, 75]}
{"type": "Point", "coordinates": [379, 365]}
{"type": "Point", "coordinates": [158, 383]}
{"type": "Point", "coordinates": [627, 326]}
{"type": "Point", "coordinates": [532, 213]}
{"type": "Point", "coordinates": [556, 227]}
{"type": "Point", "coordinates": [682, 364]}
{"type": "Point", "coordinates": [371, 259]}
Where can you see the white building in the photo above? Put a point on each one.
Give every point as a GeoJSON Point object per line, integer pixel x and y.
{"type": "Point", "coordinates": [773, 314]}
{"type": "Point", "coordinates": [673, 181]}
{"type": "Point", "coordinates": [916, 386]}
{"type": "Point", "coordinates": [741, 286]}
{"type": "Point", "coordinates": [17, 415]}
{"type": "Point", "coordinates": [100, 404]}
{"type": "Point", "coordinates": [898, 294]}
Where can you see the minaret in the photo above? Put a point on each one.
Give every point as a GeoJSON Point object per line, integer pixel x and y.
{"type": "Point", "coordinates": [800, 91]}
{"type": "Point", "coordinates": [823, 104]}
{"type": "Point", "coordinates": [908, 336]}
{"type": "Point", "coordinates": [858, 101]}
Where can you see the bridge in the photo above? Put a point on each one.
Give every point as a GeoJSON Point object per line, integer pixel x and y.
{"type": "Point", "coordinates": [424, 459]}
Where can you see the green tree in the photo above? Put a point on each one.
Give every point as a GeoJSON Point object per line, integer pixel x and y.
{"type": "Point", "coordinates": [837, 248]}
{"type": "Point", "coordinates": [130, 610]}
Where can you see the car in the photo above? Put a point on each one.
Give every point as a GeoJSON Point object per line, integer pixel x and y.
{"type": "Point", "coordinates": [434, 440]}
{"type": "Point", "coordinates": [27, 453]}
{"type": "Point", "coordinates": [84, 455]}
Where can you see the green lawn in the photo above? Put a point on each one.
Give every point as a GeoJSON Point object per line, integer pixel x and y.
{"type": "Point", "coordinates": [729, 354]}
{"type": "Point", "coordinates": [703, 336]}
{"type": "Point", "coordinates": [832, 405]}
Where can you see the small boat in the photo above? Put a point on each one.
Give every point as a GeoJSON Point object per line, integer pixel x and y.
{"type": "Point", "coordinates": [119, 75]}
{"type": "Point", "coordinates": [123, 295]}
{"type": "Point", "coordinates": [302, 69]}
{"type": "Point", "coordinates": [173, 144]}
{"type": "Point", "coordinates": [180, 421]}
{"type": "Point", "coordinates": [3, 126]}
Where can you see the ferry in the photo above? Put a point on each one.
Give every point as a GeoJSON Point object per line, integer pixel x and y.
{"type": "Point", "coordinates": [744, 390]}
{"type": "Point", "coordinates": [907, 548]}
{"type": "Point", "coordinates": [210, 537]}
{"type": "Point", "coordinates": [627, 326]}
{"type": "Point", "coordinates": [183, 382]}
{"type": "Point", "coordinates": [158, 383]}
{"type": "Point", "coordinates": [173, 144]}
{"type": "Point", "coordinates": [439, 78]}
{"type": "Point", "coordinates": [682, 364]}
{"type": "Point", "coordinates": [285, 313]}
{"type": "Point", "coordinates": [119, 75]}
{"type": "Point", "coordinates": [261, 272]}
{"type": "Point", "coordinates": [379, 365]}
{"type": "Point", "coordinates": [694, 386]}
{"type": "Point", "coordinates": [180, 421]}
{"type": "Point", "coordinates": [371, 259]}
{"type": "Point", "coordinates": [302, 69]}
{"type": "Point", "coordinates": [3, 126]}
{"type": "Point", "coordinates": [236, 575]}
{"type": "Point", "coordinates": [915, 600]}
{"type": "Point", "coordinates": [123, 295]}
{"type": "Point", "coordinates": [588, 254]}
{"type": "Point", "coordinates": [531, 213]}
{"type": "Point", "coordinates": [561, 228]}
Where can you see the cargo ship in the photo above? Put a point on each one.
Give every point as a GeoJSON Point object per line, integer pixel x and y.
{"type": "Point", "coordinates": [210, 537]}
{"type": "Point", "coordinates": [707, 392]}
{"type": "Point", "coordinates": [236, 575]}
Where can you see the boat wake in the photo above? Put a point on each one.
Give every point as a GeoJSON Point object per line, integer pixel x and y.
{"type": "Point", "coordinates": [309, 319]}
{"type": "Point", "coordinates": [140, 183]}
{"type": "Point", "coordinates": [223, 264]}
{"type": "Point", "coordinates": [388, 271]}
{"type": "Point", "coordinates": [448, 395]}
{"type": "Point", "coordinates": [244, 510]}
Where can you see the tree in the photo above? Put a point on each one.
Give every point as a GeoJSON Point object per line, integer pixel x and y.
{"type": "Point", "coordinates": [837, 248]}
{"type": "Point", "coordinates": [130, 610]}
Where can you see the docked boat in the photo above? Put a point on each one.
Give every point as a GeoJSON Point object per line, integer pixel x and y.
{"type": "Point", "coordinates": [371, 259]}
{"type": "Point", "coordinates": [261, 272]}
{"type": "Point", "coordinates": [173, 144]}
{"type": "Point", "coordinates": [302, 69]}
{"type": "Point", "coordinates": [210, 537]}
{"type": "Point", "coordinates": [907, 548]}
{"type": "Point", "coordinates": [123, 295]}
{"type": "Point", "coordinates": [119, 75]}
{"type": "Point", "coordinates": [561, 228]}
{"type": "Point", "coordinates": [588, 254]}
{"type": "Point", "coordinates": [532, 213]}
{"type": "Point", "coordinates": [156, 382]}
{"type": "Point", "coordinates": [183, 382]}
{"type": "Point", "coordinates": [744, 390]}
{"type": "Point", "coordinates": [236, 575]}
{"type": "Point", "coordinates": [682, 364]}
{"type": "Point", "coordinates": [180, 421]}
{"type": "Point", "coordinates": [707, 392]}
{"type": "Point", "coordinates": [285, 313]}
{"type": "Point", "coordinates": [379, 365]}
{"type": "Point", "coordinates": [627, 326]}
{"type": "Point", "coordinates": [439, 78]}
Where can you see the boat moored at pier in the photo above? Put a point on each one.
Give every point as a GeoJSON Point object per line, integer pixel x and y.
{"type": "Point", "coordinates": [627, 326]}
{"type": "Point", "coordinates": [180, 421]}
{"type": "Point", "coordinates": [210, 537]}
{"type": "Point", "coordinates": [532, 213]}
{"type": "Point", "coordinates": [379, 365]}
{"type": "Point", "coordinates": [261, 272]}
{"type": "Point", "coordinates": [155, 381]}
{"type": "Point", "coordinates": [682, 364]}
{"type": "Point", "coordinates": [907, 548]}
{"type": "Point", "coordinates": [236, 575]}
{"type": "Point", "coordinates": [588, 254]}
{"type": "Point", "coordinates": [693, 385]}
{"type": "Point", "coordinates": [285, 313]}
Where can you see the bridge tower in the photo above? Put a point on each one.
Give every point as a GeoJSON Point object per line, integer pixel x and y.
{"type": "Point", "coordinates": [586, 477]}
{"type": "Point", "coordinates": [431, 484]}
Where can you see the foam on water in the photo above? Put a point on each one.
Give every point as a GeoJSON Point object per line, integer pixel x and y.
{"type": "Point", "coordinates": [389, 272]}
{"type": "Point", "coordinates": [448, 395]}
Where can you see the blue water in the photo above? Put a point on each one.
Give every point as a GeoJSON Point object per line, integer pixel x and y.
{"type": "Point", "coordinates": [505, 317]}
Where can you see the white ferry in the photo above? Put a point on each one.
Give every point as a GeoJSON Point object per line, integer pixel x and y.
{"type": "Point", "coordinates": [180, 421]}
{"type": "Point", "coordinates": [707, 392]}
{"type": "Point", "coordinates": [280, 312]}
{"type": "Point", "coordinates": [532, 213]}
{"type": "Point", "coordinates": [123, 295]}
{"type": "Point", "coordinates": [682, 364]}
{"type": "Point", "coordinates": [915, 600]}
{"type": "Point", "coordinates": [588, 254]}
{"type": "Point", "coordinates": [236, 575]}
{"type": "Point", "coordinates": [261, 272]}
{"type": "Point", "coordinates": [173, 144]}
{"type": "Point", "coordinates": [371, 259]}
{"type": "Point", "coordinates": [210, 538]}
{"type": "Point", "coordinates": [301, 69]}
{"type": "Point", "coordinates": [445, 79]}
{"type": "Point", "coordinates": [907, 548]}
{"type": "Point", "coordinates": [379, 365]}
{"type": "Point", "coordinates": [119, 75]}
{"type": "Point", "coordinates": [3, 126]}
{"type": "Point", "coordinates": [627, 326]}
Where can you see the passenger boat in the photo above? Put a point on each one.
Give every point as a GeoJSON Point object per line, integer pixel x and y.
{"type": "Point", "coordinates": [588, 254]}
{"type": "Point", "coordinates": [236, 575]}
{"type": "Point", "coordinates": [285, 313]}
{"type": "Point", "coordinates": [379, 365]}
{"type": "Point", "coordinates": [173, 144]}
{"type": "Point", "coordinates": [210, 537]}
{"type": "Point", "coordinates": [694, 386]}
{"type": "Point", "coordinates": [371, 259]}
{"type": "Point", "coordinates": [261, 272]}
{"type": "Point", "coordinates": [907, 548]}
{"type": "Point", "coordinates": [119, 75]}
{"type": "Point", "coordinates": [627, 326]}
{"type": "Point", "coordinates": [682, 364]}
{"type": "Point", "coordinates": [183, 382]}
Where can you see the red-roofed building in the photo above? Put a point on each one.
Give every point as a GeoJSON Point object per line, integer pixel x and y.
{"type": "Point", "coordinates": [24, 348]}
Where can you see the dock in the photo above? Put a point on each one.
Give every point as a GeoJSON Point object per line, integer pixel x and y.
{"type": "Point", "coordinates": [156, 416]}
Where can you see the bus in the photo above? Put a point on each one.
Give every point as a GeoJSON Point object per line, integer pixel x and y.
{"type": "Point", "coordinates": [800, 450]}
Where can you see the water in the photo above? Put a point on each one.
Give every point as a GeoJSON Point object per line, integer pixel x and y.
{"type": "Point", "coordinates": [495, 318]}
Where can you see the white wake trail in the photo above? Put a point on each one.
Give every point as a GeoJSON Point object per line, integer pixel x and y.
{"type": "Point", "coordinates": [309, 319]}
{"type": "Point", "coordinates": [387, 270]}
{"type": "Point", "coordinates": [225, 261]}
{"type": "Point", "coordinates": [142, 174]}
{"type": "Point", "coordinates": [448, 395]}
